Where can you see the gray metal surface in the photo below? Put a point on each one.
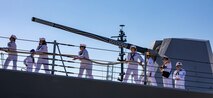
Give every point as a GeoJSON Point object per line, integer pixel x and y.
{"type": "Point", "coordinates": [15, 84]}
{"type": "Point", "coordinates": [196, 56]}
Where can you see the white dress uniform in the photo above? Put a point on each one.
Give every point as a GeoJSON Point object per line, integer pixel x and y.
{"type": "Point", "coordinates": [150, 73]}
{"type": "Point", "coordinates": [12, 56]}
{"type": "Point", "coordinates": [133, 66]}
{"type": "Point", "coordinates": [180, 84]}
{"type": "Point", "coordinates": [167, 82]}
{"type": "Point", "coordinates": [42, 59]}
{"type": "Point", "coordinates": [29, 62]}
{"type": "Point", "coordinates": [85, 64]}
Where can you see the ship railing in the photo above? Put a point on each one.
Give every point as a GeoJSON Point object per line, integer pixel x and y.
{"type": "Point", "coordinates": [63, 64]}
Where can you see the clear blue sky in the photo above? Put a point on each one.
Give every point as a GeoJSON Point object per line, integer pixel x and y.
{"type": "Point", "coordinates": [145, 20]}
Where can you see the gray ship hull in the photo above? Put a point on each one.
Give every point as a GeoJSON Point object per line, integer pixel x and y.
{"type": "Point", "coordinates": [17, 84]}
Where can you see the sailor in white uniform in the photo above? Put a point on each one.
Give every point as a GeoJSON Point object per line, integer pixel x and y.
{"type": "Point", "coordinates": [30, 61]}
{"type": "Point", "coordinates": [166, 70]}
{"type": "Point", "coordinates": [132, 60]}
{"type": "Point", "coordinates": [12, 55]}
{"type": "Point", "coordinates": [85, 64]}
{"type": "Point", "coordinates": [179, 76]}
{"type": "Point", "coordinates": [150, 70]}
{"type": "Point", "coordinates": [43, 58]}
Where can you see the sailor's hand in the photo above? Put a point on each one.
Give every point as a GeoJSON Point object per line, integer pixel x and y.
{"type": "Point", "coordinates": [6, 49]}
{"type": "Point", "coordinates": [177, 78]}
{"type": "Point", "coordinates": [161, 69]}
{"type": "Point", "coordinates": [75, 58]}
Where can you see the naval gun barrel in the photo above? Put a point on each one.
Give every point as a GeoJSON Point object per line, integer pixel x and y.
{"type": "Point", "coordinates": [91, 35]}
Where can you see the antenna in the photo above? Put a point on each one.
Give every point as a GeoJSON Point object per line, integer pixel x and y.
{"type": "Point", "coordinates": [121, 38]}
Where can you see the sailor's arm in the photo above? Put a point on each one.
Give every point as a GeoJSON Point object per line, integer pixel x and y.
{"type": "Point", "coordinates": [174, 75]}
{"type": "Point", "coordinates": [128, 59]}
{"type": "Point", "coordinates": [162, 68]}
{"type": "Point", "coordinates": [82, 56]}
{"type": "Point", "coordinates": [8, 48]}
{"type": "Point", "coordinates": [182, 75]}
{"type": "Point", "coordinates": [25, 61]}
{"type": "Point", "coordinates": [141, 59]}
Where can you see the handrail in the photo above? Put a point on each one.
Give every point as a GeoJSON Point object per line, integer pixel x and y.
{"type": "Point", "coordinates": [104, 64]}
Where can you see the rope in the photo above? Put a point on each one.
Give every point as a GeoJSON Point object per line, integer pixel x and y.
{"type": "Point", "coordinates": [114, 63]}
{"type": "Point", "coordinates": [98, 62]}
{"type": "Point", "coordinates": [63, 44]}
{"type": "Point", "coordinates": [46, 53]}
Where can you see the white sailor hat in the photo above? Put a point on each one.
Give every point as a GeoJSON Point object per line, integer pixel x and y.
{"type": "Point", "coordinates": [179, 64]}
{"type": "Point", "coordinates": [42, 39]}
{"type": "Point", "coordinates": [133, 46]}
{"type": "Point", "coordinates": [13, 36]}
{"type": "Point", "coordinates": [83, 45]}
